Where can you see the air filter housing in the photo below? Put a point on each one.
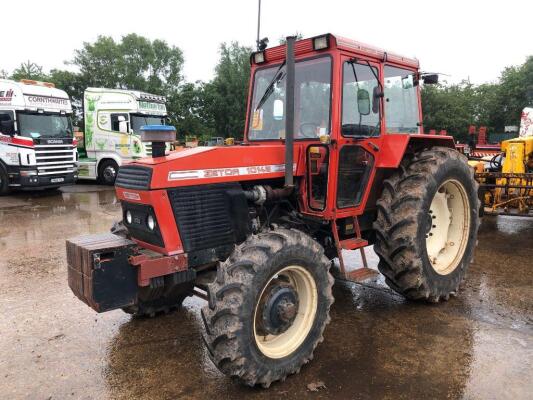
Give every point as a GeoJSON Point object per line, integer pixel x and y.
{"type": "Point", "coordinates": [158, 135]}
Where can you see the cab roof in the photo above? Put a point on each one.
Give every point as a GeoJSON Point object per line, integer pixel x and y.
{"type": "Point", "coordinates": [338, 42]}
{"type": "Point", "coordinates": [137, 94]}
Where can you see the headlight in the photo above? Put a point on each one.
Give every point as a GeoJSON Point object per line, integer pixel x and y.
{"type": "Point", "coordinates": [321, 42]}
{"type": "Point", "coordinates": [28, 173]}
{"type": "Point", "coordinates": [129, 217]}
{"type": "Point", "coordinates": [150, 221]}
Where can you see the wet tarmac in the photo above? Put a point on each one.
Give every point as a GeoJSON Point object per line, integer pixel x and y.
{"type": "Point", "coordinates": [378, 346]}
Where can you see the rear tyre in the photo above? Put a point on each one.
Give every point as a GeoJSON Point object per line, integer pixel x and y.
{"type": "Point", "coordinates": [268, 307]}
{"type": "Point", "coordinates": [107, 172]}
{"type": "Point", "coordinates": [427, 223]}
{"type": "Point", "coordinates": [4, 182]}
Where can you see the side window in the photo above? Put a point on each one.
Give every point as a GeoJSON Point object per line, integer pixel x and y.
{"type": "Point", "coordinates": [317, 162]}
{"type": "Point", "coordinates": [360, 100]}
{"type": "Point", "coordinates": [355, 164]}
{"type": "Point", "coordinates": [115, 120]}
{"type": "Point", "coordinates": [7, 123]}
{"type": "Point", "coordinates": [401, 101]}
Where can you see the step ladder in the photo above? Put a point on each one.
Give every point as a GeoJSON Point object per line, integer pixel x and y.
{"type": "Point", "coordinates": [360, 274]}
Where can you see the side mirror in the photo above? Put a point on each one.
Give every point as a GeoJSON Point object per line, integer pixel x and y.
{"type": "Point", "coordinates": [277, 111]}
{"type": "Point", "coordinates": [7, 127]}
{"type": "Point", "coordinates": [376, 95]}
{"type": "Point", "coordinates": [430, 79]}
{"type": "Point", "coordinates": [363, 101]}
{"type": "Point", "coordinates": [122, 124]}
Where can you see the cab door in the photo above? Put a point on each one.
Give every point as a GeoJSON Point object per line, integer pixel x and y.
{"type": "Point", "coordinates": [359, 136]}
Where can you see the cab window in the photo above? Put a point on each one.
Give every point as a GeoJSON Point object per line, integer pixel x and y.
{"type": "Point", "coordinates": [311, 103]}
{"type": "Point", "coordinates": [360, 102]}
{"type": "Point", "coordinates": [401, 101]}
{"type": "Point", "coordinates": [7, 124]}
{"type": "Point", "coordinates": [115, 120]}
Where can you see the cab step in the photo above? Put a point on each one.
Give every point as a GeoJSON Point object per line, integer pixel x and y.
{"type": "Point", "coordinates": [353, 243]}
{"type": "Point", "coordinates": [361, 275]}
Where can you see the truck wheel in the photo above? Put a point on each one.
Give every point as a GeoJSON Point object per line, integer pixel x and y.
{"type": "Point", "coordinates": [107, 172]}
{"type": "Point", "coordinates": [4, 182]}
{"type": "Point", "coordinates": [268, 307]}
{"type": "Point", "coordinates": [427, 223]}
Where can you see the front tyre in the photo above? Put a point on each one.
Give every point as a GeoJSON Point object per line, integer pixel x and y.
{"type": "Point", "coordinates": [107, 172]}
{"type": "Point", "coordinates": [4, 181]}
{"type": "Point", "coordinates": [268, 307]}
{"type": "Point", "coordinates": [427, 223]}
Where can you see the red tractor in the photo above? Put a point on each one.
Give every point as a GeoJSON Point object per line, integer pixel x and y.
{"type": "Point", "coordinates": [333, 159]}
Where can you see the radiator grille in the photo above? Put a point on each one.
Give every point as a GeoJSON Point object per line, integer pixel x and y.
{"type": "Point", "coordinates": [134, 177]}
{"type": "Point", "coordinates": [204, 215]}
{"type": "Point", "coordinates": [55, 159]}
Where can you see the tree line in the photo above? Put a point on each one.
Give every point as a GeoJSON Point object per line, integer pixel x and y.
{"type": "Point", "coordinates": [218, 107]}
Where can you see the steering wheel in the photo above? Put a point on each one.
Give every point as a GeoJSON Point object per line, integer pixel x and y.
{"type": "Point", "coordinates": [308, 130]}
{"type": "Point", "coordinates": [496, 161]}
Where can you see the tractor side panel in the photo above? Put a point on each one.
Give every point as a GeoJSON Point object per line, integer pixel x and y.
{"type": "Point", "coordinates": [394, 147]}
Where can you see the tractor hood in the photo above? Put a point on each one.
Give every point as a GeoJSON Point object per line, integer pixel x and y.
{"type": "Point", "coordinates": [204, 165]}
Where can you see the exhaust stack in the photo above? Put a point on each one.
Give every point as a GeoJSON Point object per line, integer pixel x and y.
{"type": "Point", "coordinates": [289, 113]}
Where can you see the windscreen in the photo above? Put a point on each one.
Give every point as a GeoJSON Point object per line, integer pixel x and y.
{"type": "Point", "coordinates": [35, 125]}
{"type": "Point", "coordinates": [139, 120]}
{"type": "Point", "coordinates": [311, 103]}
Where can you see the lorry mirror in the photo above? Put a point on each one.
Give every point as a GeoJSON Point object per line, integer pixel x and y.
{"type": "Point", "coordinates": [363, 101]}
{"type": "Point", "coordinates": [376, 95]}
{"type": "Point", "coordinates": [431, 79]}
{"type": "Point", "coordinates": [277, 112]}
{"type": "Point", "coordinates": [122, 126]}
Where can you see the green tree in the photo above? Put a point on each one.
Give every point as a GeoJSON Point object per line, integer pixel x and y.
{"type": "Point", "coordinates": [187, 109]}
{"type": "Point", "coordinates": [29, 70]}
{"type": "Point", "coordinates": [451, 108]}
{"type": "Point", "coordinates": [515, 91]}
{"type": "Point", "coordinates": [134, 62]}
{"type": "Point", "coordinates": [225, 96]}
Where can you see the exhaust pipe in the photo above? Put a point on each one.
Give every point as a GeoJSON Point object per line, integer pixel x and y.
{"type": "Point", "coordinates": [289, 113]}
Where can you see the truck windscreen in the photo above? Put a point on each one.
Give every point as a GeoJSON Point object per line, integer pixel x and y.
{"type": "Point", "coordinates": [139, 120]}
{"type": "Point", "coordinates": [44, 125]}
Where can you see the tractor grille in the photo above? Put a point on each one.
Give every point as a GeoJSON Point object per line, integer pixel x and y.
{"type": "Point", "coordinates": [55, 159]}
{"type": "Point", "coordinates": [210, 216]}
{"type": "Point", "coordinates": [134, 177]}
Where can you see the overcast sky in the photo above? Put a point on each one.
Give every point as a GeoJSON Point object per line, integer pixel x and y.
{"type": "Point", "coordinates": [465, 39]}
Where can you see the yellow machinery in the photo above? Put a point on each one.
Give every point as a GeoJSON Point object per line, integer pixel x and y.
{"type": "Point", "coordinates": [506, 180]}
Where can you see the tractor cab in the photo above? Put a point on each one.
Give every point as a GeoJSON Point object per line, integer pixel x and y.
{"type": "Point", "coordinates": [356, 107]}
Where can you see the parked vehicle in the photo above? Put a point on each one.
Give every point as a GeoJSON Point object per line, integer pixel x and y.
{"type": "Point", "coordinates": [506, 178]}
{"type": "Point", "coordinates": [113, 118]}
{"type": "Point", "coordinates": [334, 157]}
{"type": "Point", "coordinates": [37, 149]}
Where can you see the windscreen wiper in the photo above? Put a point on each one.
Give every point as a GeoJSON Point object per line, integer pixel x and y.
{"type": "Point", "coordinates": [278, 76]}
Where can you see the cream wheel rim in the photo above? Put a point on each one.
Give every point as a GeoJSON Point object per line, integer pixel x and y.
{"type": "Point", "coordinates": [285, 343]}
{"type": "Point", "coordinates": [449, 226]}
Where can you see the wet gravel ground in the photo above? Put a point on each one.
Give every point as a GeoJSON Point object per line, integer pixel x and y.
{"type": "Point", "coordinates": [476, 346]}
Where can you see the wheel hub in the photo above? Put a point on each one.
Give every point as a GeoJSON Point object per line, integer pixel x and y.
{"type": "Point", "coordinates": [447, 227]}
{"type": "Point", "coordinates": [279, 309]}
{"type": "Point", "coordinates": [109, 172]}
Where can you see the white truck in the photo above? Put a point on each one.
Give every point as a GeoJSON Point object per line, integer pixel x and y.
{"type": "Point", "coordinates": [37, 147]}
{"type": "Point", "coordinates": [113, 118]}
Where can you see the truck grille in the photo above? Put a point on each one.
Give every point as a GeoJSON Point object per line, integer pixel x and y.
{"type": "Point", "coordinates": [54, 159]}
{"type": "Point", "coordinates": [210, 216]}
{"type": "Point", "coordinates": [148, 147]}
{"type": "Point", "coordinates": [134, 177]}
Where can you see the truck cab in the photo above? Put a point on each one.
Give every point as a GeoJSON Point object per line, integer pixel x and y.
{"type": "Point", "coordinates": [113, 118]}
{"type": "Point", "coordinates": [37, 148]}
